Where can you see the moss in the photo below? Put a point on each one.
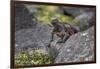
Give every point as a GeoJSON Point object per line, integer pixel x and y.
{"type": "Point", "coordinates": [47, 13]}
{"type": "Point", "coordinates": [36, 58]}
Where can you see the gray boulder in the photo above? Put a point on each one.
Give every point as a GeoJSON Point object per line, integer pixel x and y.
{"type": "Point", "coordinates": [75, 11]}
{"type": "Point", "coordinates": [33, 38]}
{"type": "Point", "coordinates": [78, 48]}
{"type": "Point", "coordinates": [85, 20]}
{"type": "Point", "coordinates": [82, 17]}
{"type": "Point", "coordinates": [24, 19]}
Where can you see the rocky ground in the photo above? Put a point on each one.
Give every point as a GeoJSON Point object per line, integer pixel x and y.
{"type": "Point", "coordinates": [32, 35]}
{"type": "Point", "coordinates": [78, 48]}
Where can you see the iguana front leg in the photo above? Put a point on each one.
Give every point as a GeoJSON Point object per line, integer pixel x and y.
{"type": "Point", "coordinates": [64, 37]}
{"type": "Point", "coordinates": [52, 38]}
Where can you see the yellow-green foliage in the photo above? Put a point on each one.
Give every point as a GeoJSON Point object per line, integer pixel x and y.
{"type": "Point", "coordinates": [47, 13]}
{"type": "Point", "coordinates": [36, 58]}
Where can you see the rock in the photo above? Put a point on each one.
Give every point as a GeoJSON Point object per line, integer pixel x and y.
{"type": "Point", "coordinates": [78, 48]}
{"type": "Point", "coordinates": [85, 20]}
{"type": "Point", "coordinates": [23, 18]}
{"type": "Point", "coordinates": [36, 38]}
{"type": "Point", "coordinates": [82, 17]}
{"type": "Point", "coordinates": [72, 11]}
{"type": "Point", "coordinates": [75, 11]}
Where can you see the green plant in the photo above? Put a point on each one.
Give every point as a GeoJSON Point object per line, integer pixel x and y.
{"type": "Point", "coordinates": [47, 13]}
{"type": "Point", "coordinates": [36, 58]}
